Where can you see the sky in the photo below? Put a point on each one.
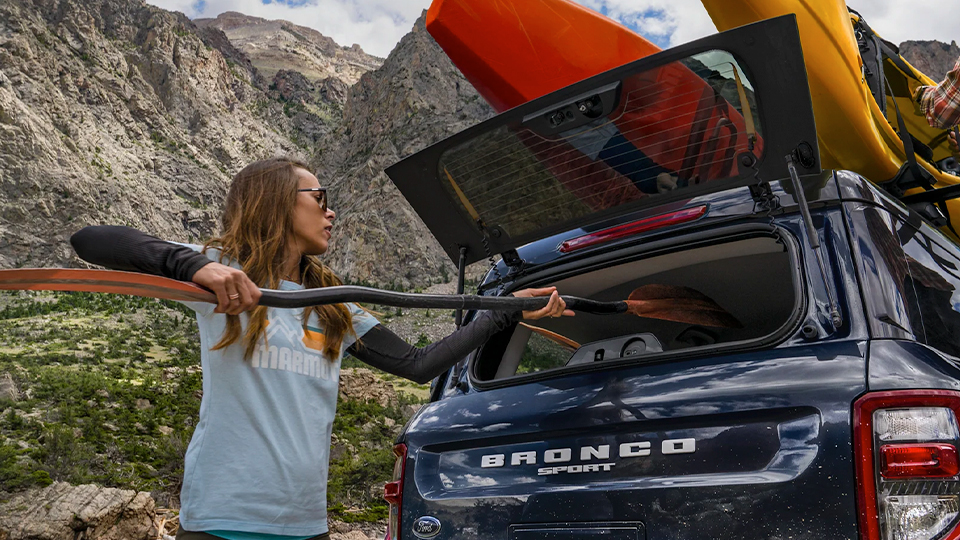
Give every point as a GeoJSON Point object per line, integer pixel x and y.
{"type": "Point", "coordinates": [377, 25]}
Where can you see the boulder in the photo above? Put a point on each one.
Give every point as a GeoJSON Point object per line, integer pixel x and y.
{"type": "Point", "coordinates": [8, 388]}
{"type": "Point", "coordinates": [361, 384]}
{"type": "Point", "coordinates": [64, 512]}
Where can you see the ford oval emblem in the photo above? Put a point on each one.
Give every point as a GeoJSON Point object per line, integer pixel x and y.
{"type": "Point", "coordinates": [426, 527]}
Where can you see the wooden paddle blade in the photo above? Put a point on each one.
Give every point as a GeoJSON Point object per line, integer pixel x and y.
{"type": "Point", "coordinates": [102, 281]}
{"type": "Point", "coordinates": [679, 304]}
{"type": "Point", "coordinates": [558, 338]}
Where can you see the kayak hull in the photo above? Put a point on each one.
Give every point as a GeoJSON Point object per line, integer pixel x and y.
{"type": "Point", "coordinates": [514, 51]}
{"type": "Point", "coordinates": [853, 133]}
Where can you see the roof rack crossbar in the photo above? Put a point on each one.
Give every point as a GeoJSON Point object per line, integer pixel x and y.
{"type": "Point", "coordinates": [938, 195]}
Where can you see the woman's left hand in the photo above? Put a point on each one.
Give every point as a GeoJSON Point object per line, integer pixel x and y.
{"type": "Point", "coordinates": [556, 307]}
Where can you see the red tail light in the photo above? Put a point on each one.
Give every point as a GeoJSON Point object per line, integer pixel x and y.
{"type": "Point", "coordinates": [635, 227]}
{"type": "Point", "coordinates": [393, 492]}
{"type": "Point", "coordinates": [918, 461]}
{"type": "Point", "coordinates": [908, 474]}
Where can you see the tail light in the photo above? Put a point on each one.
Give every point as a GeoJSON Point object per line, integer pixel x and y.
{"type": "Point", "coordinates": [908, 474]}
{"type": "Point", "coordinates": [635, 227]}
{"type": "Point", "coordinates": [393, 492]}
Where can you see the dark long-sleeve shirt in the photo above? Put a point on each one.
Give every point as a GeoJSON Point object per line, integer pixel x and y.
{"type": "Point", "coordinates": [123, 248]}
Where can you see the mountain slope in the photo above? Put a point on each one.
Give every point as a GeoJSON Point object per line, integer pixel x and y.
{"type": "Point", "coordinates": [415, 99]}
{"type": "Point", "coordinates": [934, 58]}
{"type": "Point", "coordinates": [277, 45]}
{"type": "Point", "coordinates": [113, 111]}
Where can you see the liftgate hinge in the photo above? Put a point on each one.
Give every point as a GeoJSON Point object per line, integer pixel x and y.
{"type": "Point", "coordinates": [764, 199]}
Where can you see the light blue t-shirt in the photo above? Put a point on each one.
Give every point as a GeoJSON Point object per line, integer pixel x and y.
{"type": "Point", "coordinates": [259, 457]}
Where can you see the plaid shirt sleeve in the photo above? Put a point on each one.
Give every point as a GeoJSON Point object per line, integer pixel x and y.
{"type": "Point", "coordinates": [941, 104]}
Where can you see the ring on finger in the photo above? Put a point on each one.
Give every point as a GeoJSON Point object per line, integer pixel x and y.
{"type": "Point", "coordinates": [234, 296]}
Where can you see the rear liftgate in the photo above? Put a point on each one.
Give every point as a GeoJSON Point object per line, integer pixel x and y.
{"type": "Point", "coordinates": [612, 152]}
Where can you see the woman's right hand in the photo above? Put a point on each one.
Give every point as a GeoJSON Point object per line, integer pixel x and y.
{"type": "Point", "coordinates": [235, 291]}
{"type": "Point", "coordinates": [555, 307]}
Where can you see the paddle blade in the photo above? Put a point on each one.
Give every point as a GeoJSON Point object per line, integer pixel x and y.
{"type": "Point", "coordinates": [566, 342]}
{"type": "Point", "coordinates": [679, 304]}
{"type": "Point", "coordinates": [102, 281]}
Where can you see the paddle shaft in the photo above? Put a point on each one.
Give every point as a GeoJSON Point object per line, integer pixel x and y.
{"type": "Point", "coordinates": [132, 283]}
{"type": "Point", "coordinates": [350, 293]}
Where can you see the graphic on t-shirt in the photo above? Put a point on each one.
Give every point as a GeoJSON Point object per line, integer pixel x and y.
{"type": "Point", "coordinates": [286, 347]}
{"type": "Point", "coordinates": [289, 331]}
{"type": "Point", "coordinates": [313, 338]}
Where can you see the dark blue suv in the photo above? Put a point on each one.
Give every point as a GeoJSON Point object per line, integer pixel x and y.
{"type": "Point", "coordinates": [829, 411]}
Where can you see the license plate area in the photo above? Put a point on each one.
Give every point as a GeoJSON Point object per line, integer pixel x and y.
{"type": "Point", "coordinates": [577, 531]}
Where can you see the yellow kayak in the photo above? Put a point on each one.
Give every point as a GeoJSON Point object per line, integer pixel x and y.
{"type": "Point", "coordinates": [853, 132]}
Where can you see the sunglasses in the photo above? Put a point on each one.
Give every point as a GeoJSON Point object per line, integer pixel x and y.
{"type": "Point", "coordinates": [322, 199]}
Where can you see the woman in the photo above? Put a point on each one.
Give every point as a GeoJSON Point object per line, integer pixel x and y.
{"type": "Point", "coordinates": [256, 467]}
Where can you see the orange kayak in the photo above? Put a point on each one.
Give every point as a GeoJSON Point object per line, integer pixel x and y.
{"type": "Point", "coordinates": [514, 51]}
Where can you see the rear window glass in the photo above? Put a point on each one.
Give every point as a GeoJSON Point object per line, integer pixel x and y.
{"type": "Point", "coordinates": [749, 285]}
{"type": "Point", "coordinates": [666, 129]}
{"type": "Point", "coordinates": [926, 274]}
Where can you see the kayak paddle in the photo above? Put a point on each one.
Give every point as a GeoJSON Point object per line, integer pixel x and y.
{"type": "Point", "coordinates": [664, 302]}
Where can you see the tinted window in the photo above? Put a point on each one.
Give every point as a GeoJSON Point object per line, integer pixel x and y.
{"type": "Point", "coordinates": [669, 128]}
{"type": "Point", "coordinates": [542, 353]}
{"type": "Point", "coordinates": [932, 288]}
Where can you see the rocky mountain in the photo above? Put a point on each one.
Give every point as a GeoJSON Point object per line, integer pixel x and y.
{"type": "Point", "coordinates": [934, 58]}
{"type": "Point", "coordinates": [273, 46]}
{"type": "Point", "coordinates": [415, 99]}
{"type": "Point", "coordinates": [114, 111]}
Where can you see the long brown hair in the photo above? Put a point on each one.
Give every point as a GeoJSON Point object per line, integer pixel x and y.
{"type": "Point", "coordinates": [257, 218]}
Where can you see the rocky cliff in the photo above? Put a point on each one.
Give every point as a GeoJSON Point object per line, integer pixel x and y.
{"type": "Point", "coordinates": [273, 46]}
{"type": "Point", "coordinates": [415, 99]}
{"type": "Point", "coordinates": [934, 58]}
{"type": "Point", "coordinates": [113, 111]}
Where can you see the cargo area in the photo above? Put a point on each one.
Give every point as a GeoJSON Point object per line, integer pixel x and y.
{"type": "Point", "coordinates": [752, 279]}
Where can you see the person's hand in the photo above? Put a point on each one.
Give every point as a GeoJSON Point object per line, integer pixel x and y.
{"type": "Point", "coordinates": [666, 182]}
{"type": "Point", "coordinates": [235, 291]}
{"type": "Point", "coordinates": [953, 143]}
{"type": "Point", "coordinates": [556, 307]}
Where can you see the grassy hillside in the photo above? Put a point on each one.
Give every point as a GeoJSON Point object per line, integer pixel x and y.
{"type": "Point", "coordinates": [106, 389]}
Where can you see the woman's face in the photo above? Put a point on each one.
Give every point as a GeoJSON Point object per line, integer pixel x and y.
{"type": "Point", "coordinates": [312, 226]}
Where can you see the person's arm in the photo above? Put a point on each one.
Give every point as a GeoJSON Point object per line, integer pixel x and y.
{"type": "Point", "coordinates": [941, 104]}
{"type": "Point", "coordinates": [124, 248]}
{"type": "Point", "coordinates": [385, 350]}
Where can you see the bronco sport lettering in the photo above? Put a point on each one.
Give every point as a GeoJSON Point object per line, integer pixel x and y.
{"type": "Point", "coordinates": [588, 453]}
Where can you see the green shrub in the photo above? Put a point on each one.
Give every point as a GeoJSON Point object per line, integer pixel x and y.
{"type": "Point", "coordinates": [18, 472]}
{"type": "Point", "coordinates": [64, 457]}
